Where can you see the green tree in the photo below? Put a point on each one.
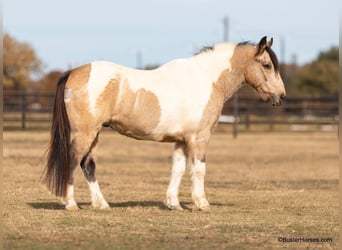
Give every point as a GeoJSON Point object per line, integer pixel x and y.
{"type": "Point", "coordinates": [319, 77]}
{"type": "Point", "coordinates": [20, 62]}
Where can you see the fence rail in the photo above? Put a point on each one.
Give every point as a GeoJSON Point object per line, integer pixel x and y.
{"type": "Point", "coordinates": [23, 110]}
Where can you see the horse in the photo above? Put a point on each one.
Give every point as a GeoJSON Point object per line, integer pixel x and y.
{"type": "Point", "coordinates": [179, 102]}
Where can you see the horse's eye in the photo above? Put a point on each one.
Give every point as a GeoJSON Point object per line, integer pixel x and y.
{"type": "Point", "coordinates": [266, 66]}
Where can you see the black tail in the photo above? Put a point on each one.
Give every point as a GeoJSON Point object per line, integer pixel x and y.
{"type": "Point", "coordinates": [57, 172]}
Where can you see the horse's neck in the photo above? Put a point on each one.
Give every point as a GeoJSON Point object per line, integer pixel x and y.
{"type": "Point", "coordinates": [212, 63]}
{"type": "Point", "coordinates": [218, 69]}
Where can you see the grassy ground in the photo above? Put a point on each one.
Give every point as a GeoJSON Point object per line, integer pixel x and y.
{"type": "Point", "coordinates": [261, 187]}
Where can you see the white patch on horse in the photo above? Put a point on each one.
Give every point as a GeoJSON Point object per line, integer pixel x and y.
{"type": "Point", "coordinates": [178, 169]}
{"type": "Point", "coordinates": [197, 177]}
{"type": "Point", "coordinates": [100, 74]}
{"type": "Point", "coordinates": [97, 198]}
{"type": "Point", "coordinates": [69, 201]}
{"type": "Point", "coordinates": [67, 95]}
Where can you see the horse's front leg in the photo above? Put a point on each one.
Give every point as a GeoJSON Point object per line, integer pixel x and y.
{"type": "Point", "coordinates": [178, 169]}
{"type": "Point", "coordinates": [197, 161]}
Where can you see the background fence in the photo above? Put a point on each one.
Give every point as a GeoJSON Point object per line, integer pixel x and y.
{"type": "Point", "coordinates": [302, 113]}
{"type": "Point", "coordinates": [298, 113]}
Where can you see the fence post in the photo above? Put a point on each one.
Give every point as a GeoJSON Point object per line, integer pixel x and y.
{"type": "Point", "coordinates": [247, 123]}
{"type": "Point", "coordinates": [271, 119]}
{"type": "Point", "coordinates": [236, 114]}
{"type": "Point", "coordinates": [23, 111]}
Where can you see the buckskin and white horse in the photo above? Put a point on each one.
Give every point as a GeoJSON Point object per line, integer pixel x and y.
{"type": "Point", "coordinates": [178, 102]}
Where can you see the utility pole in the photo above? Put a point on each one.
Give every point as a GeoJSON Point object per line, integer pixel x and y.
{"type": "Point", "coordinates": [282, 50]}
{"type": "Point", "coordinates": [139, 59]}
{"type": "Point", "coordinates": [225, 29]}
{"type": "Point", "coordinates": [236, 95]}
{"type": "Point", "coordinates": [282, 58]}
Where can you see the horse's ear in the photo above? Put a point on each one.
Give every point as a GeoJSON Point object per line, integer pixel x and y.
{"type": "Point", "coordinates": [270, 42]}
{"type": "Point", "coordinates": [262, 45]}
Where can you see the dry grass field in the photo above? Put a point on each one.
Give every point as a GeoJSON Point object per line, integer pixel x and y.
{"type": "Point", "coordinates": [262, 187]}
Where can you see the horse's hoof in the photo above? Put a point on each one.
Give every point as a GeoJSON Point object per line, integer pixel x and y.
{"type": "Point", "coordinates": [202, 204]}
{"type": "Point", "coordinates": [105, 207]}
{"type": "Point", "coordinates": [178, 207]}
{"type": "Point", "coordinates": [174, 207]}
{"type": "Point", "coordinates": [72, 207]}
{"type": "Point", "coordinates": [100, 205]}
{"type": "Point", "coordinates": [205, 208]}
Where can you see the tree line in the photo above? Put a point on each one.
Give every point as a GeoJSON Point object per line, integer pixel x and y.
{"type": "Point", "coordinates": [24, 70]}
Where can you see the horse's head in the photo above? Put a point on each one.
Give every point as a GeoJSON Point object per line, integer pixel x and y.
{"type": "Point", "coordinates": [262, 73]}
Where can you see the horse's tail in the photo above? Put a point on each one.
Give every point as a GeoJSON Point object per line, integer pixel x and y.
{"type": "Point", "coordinates": [57, 172]}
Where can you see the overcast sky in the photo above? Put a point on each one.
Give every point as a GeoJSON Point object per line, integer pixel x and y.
{"type": "Point", "coordinates": [67, 33]}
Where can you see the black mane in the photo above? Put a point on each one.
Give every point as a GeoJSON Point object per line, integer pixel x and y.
{"type": "Point", "coordinates": [274, 59]}
{"type": "Point", "coordinates": [245, 43]}
{"type": "Point", "coordinates": [204, 49]}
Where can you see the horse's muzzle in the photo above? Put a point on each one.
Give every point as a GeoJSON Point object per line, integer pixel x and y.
{"type": "Point", "coordinates": [283, 97]}
{"type": "Point", "coordinates": [277, 100]}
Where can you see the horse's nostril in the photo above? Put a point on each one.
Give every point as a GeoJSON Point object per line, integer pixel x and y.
{"type": "Point", "coordinates": [283, 97]}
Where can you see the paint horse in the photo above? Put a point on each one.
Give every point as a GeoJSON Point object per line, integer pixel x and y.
{"type": "Point", "coordinates": [178, 102]}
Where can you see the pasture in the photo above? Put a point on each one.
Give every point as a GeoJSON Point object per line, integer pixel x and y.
{"type": "Point", "coordinates": [261, 186]}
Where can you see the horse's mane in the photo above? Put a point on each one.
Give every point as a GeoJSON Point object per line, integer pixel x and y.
{"type": "Point", "coordinates": [205, 49]}
{"type": "Point", "coordinates": [273, 56]}
{"type": "Point", "coordinates": [245, 43]}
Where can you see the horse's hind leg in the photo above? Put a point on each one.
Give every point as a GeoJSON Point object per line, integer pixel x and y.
{"type": "Point", "coordinates": [178, 169]}
{"type": "Point", "coordinates": [82, 145]}
{"type": "Point", "coordinates": [69, 200]}
{"type": "Point", "coordinates": [88, 167]}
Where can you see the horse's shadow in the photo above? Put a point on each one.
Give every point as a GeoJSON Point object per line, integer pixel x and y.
{"type": "Point", "coordinates": [46, 205]}
{"type": "Point", "coordinates": [127, 204]}
{"type": "Point", "coordinates": [158, 204]}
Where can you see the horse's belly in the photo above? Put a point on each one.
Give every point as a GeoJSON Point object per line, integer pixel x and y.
{"type": "Point", "coordinates": [146, 126]}
{"type": "Point", "coordinates": [176, 125]}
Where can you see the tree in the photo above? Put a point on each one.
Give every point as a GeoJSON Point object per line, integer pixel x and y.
{"type": "Point", "coordinates": [20, 62]}
{"type": "Point", "coordinates": [319, 77]}
{"type": "Point", "coordinates": [48, 83]}
{"type": "Point", "coordinates": [331, 55]}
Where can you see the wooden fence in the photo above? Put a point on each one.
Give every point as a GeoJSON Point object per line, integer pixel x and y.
{"type": "Point", "coordinates": [23, 110]}
{"type": "Point", "coordinates": [31, 110]}
{"type": "Point", "coordinates": [298, 112]}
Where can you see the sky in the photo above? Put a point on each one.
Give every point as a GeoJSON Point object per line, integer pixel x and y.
{"type": "Point", "coordinates": [68, 33]}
